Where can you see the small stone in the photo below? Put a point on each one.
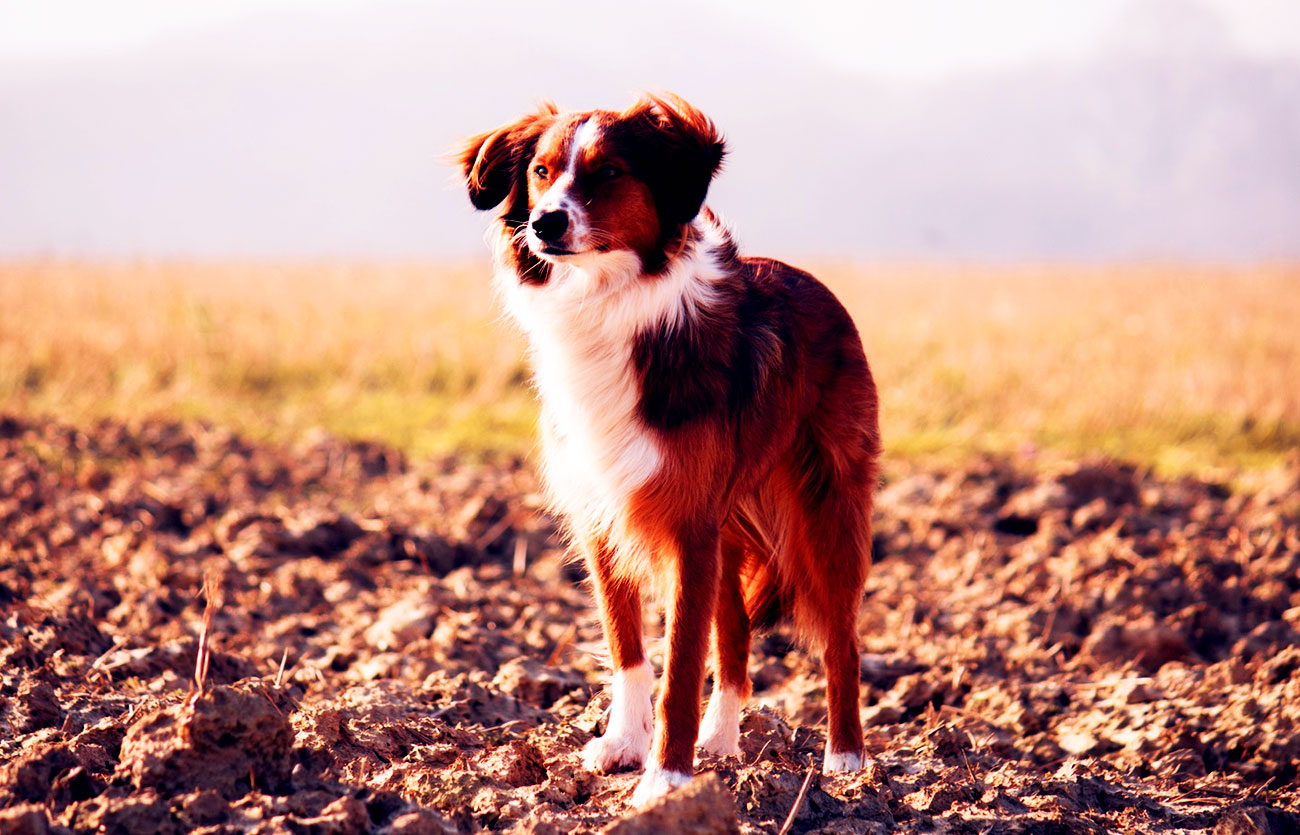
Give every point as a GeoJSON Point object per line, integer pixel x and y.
{"type": "Point", "coordinates": [1181, 764]}
{"type": "Point", "coordinates": [24, 819]}
{"type": "Point", "coordinates": [516, 764]}
{"type": "Point", "coordinates": [344, 816]}
{"type": "Point", "coordinates": [704, 807]}
{"type": "Point", "coordinates": [407, 620]}
{"type": "Point", "coordinates": [1255, 819]}
{"type": "Point", "coordinates": [1078, 742]}
{"type": "Point", "coordinates": [422, 822]}
{"type": "Point", "coordinates": [532, 681]}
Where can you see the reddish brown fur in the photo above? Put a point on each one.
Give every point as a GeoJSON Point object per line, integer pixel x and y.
{"type": "Point", "coordinates": [620, 604]}
{"type": "Point", "coordinates": [762, 405]}
{"type": "Point", "coordinates": [779, 496]}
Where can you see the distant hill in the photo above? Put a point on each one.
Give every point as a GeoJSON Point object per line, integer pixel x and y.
{"type": "Point", "coordinates": [284, 137]}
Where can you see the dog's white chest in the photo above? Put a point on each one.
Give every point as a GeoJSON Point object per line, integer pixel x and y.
{"type": "Point", "coordinates": [581, 327]}
{"type": "Point", "coordinates": [598, 450]}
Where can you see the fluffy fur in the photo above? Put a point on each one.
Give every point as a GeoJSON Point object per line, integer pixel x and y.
{"type": "Point", "coordinates": [709, 422]}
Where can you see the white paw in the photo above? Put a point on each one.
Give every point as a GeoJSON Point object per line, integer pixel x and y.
{"type": "Point", "coordinates": [847, 761]}
{"type": "Point", "coordinates": [725, 741]}
{"type": "Point", "coordinates": [631, 722]}
{"type": "Point", "coordinates": [720, 728]}
{"type": "Point", "coordinates": [657, 782]}
{"type": "Point", "coordinates": [615, 751]}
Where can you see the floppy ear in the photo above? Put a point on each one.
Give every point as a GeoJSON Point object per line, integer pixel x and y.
{"type": "Point", "coordinates": [680, 151]}
{"type": "Point", "coordinates": [491, 162]}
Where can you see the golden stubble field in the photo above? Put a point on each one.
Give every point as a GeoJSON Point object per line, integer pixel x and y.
{"type": "Point", "coordinates": [1182, 368]}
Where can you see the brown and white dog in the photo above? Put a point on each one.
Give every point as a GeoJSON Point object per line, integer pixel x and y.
{"type": "Point", "coordinates": [709, 421]}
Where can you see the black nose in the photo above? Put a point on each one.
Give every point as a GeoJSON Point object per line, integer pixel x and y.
{"type": "Point", "coordinates": [551, 226]}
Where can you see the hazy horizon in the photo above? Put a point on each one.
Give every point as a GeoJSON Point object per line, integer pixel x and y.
{"type": "Point", "coordinates": [1126, 129]}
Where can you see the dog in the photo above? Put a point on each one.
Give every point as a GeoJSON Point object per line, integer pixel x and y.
{"type": "Point", "coordinates": [709, 421]}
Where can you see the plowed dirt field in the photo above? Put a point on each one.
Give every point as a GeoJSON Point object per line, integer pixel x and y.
{"type": "Point", "coordinates": [398, 646]}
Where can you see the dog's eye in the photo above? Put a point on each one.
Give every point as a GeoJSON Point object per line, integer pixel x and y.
{"type": "Point", "coordinates": [608, 172]}
{"type": "Point", "coordinates": [541, 172]}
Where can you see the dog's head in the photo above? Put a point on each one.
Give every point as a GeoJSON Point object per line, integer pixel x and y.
{"type": "Point", "coordinates": [573, 185]}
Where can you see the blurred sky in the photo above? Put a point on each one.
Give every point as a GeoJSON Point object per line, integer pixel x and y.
{"type": "Point", "coordinates": [918, 38]}
{"type": "Point", "coordinates": [945, 128]}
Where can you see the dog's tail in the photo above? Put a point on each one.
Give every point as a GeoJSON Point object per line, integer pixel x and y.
{"type": "Point", "coordinates": [762, 593]}
{"type": "Point", "coordinates": [759, 585]}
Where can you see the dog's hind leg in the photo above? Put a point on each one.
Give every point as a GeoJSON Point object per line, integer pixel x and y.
{"type": "Point", "coordinates": [841, 534]}
{"type": "Point", "coordinates": [843, 670]}
{"type": "Point", "coordinates": [831, 550]}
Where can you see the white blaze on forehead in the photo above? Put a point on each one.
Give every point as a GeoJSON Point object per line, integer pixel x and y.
{"type": "Point", "coordinates": [585, 136]}
{"type": "Point", "coordinates": [560, 193]}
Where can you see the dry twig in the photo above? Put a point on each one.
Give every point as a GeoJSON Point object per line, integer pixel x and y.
{"type": "Point", "coordinates": [279, 676]}
{"type": "Point", "coordinates": [565, 641]}
{"type": "Point", "coordinates": [211, 585]}
{"type": "Point", "coordinates": [521, 555]}
{"type": "Point", "coordinates": [798, 801]}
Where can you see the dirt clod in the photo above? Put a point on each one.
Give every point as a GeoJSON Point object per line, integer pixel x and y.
{"type": "Point", "coordinates": [533, 682]}
{"type": "Point", "coordinates": [226, 739]}
{"type": "Point", "coordinates": [37, 706]}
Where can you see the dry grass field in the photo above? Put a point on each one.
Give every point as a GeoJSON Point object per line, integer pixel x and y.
{"type": "Point", "coordinates": [1184, 369]}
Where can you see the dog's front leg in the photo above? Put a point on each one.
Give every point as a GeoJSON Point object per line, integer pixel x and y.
{"type": "Point", "coordinates": [631, 717]}
{"type": "Point", "coordinates": [692, 596]}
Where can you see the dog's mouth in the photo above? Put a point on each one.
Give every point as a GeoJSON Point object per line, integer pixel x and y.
{"type": "Point", "coordinates": [548, 249]}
